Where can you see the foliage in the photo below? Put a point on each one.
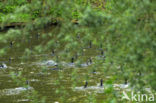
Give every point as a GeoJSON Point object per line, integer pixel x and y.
{"type": "Point", "coordinates": [124, 28]}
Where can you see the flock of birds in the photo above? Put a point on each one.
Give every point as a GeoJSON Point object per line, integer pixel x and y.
{"type": "Point", "coordinates": [53, 63]}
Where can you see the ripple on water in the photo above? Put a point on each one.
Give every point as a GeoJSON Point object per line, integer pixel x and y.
{"type": "Point", "coordinates": [100, 89]}
{"type": "Point", "coordinates": [14, 91]}
{"type": "Point", "coordinates": [121, 86]}
{"type": "Point", "coordinates": [34, 80]}
{"type": "Point", "coordinates": [23, 100]}
{"type": "Point", "coordinates": [89, 88]}
{"type": "Point", "coordinates": [48, 63]}
{"type": "Point", "coordinates": [62, 63]}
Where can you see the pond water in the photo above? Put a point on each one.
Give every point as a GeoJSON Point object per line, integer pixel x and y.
{"type": "Point", "coordinates": [47, 77]}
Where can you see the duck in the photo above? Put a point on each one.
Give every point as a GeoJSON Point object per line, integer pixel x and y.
{"type": "Point", "coordinates": [3, 66]}
{"type": "Point", "coordinates": [89, 62]}
{"type": "Point", "coordinates": [72, 60]}
{"type": "Point", "coordinates": [11, 44]}
{"type": "Point", "coordinates": [10, 60]}
{"type": "Point", "coordinates": [86, 84]}
{"type": "Point", "coordinates": [101, 83]}
{"type": "Point", "coordinates": [27, 82]}
{"type": "Point", "coordinates": [102, 52]}
{"type": "Point", "coordinates": [126, 81]}
{"type": "Point", "coordinates": [90, 44]}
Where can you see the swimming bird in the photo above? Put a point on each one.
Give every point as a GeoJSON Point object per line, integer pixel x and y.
{"type": "Point", "coordinates": [27, 82]}
{"type": "Point", "coordinates": [90, 44]}
{"type": "Point", "coordinates": [126, 80]}
{"type": "Point", "coordinates": [72, 60]}
{"type": "Point", "coordinates": [86, 84]}
{"type": "Point", "coordinates": [78, 36]}
{"type": "Point", "coordinates": [101, 82]}
{"type": "Point", "coordinates": [3, 66]}
{"type": "Point", "coordinates": [52, 52]}
{"type": "Point", "coordinates": [90, 60]}
{"type": "Point", "coordinates": [102, 52]}
{"type": "Point", "coordinates": [10, 59]}
{"type": "Point", "coordinates": [11, 43]}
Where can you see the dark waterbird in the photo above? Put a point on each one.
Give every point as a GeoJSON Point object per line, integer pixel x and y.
{"type": "Point", "coordinates": [90, 60]}
{"type": "Point", "coordinates": [72, 60]}
{"type": "Point", "coordinates": [10, 59]}
{"type": "Point", "coordinates": [27, 82]}
{"type": "Point", "coordinates": [101, 82]}
{"type": "Point", "coordinates": [102, 52]}
{"type": "Point", "coordinates": [126, 80]}
{"type": "Point", "coordinates": [78, 36]}
{"type": "Point", "coordinates": [86, 84]}
{"type": "Point", "coordinates": [3, 66]}
{"type": "Point", "coordinates": [11, 43]}
{"type": "Point", "coordinates": [90, 44]}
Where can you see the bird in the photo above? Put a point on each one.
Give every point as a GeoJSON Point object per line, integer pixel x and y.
{"type": "Point", "coordinates": [102, 52]}
{"type": "Point", "coordinates": [90, 44]}
{"type": "Point", "coordinates": [126, 80]}
{"type": "Point", "coordinates": [27, 82]}
{"type": "Point", "coordinates": [101, 82]}
{"type": "Point", "coordinates": [86, 84]}
{"type": "Point", "coordinates": [52, 52]}
{"type": "Point", "coordinates": [11, 43]}
{"type": "Point", "coordinates": [3, 66]}
{"type": "Point", "coordinates": [72, 60]}
{"type": "Point", "coordinates": [10, 59]}
{"type": "Point", "coordinates": [90, 60]}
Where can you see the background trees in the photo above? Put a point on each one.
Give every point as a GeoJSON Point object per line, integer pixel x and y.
{"type": "Point", "coordinates": [123, 29]}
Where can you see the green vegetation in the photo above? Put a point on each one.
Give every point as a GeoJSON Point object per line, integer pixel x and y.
{"type": "Point", "coordinates": [123, 29]}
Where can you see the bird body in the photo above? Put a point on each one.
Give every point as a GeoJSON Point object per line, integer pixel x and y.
{"type": "Point", "coordinates": [3, 66]}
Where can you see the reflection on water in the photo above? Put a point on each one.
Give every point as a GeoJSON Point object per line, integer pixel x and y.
{"type": "Point", "coordinates": [42, 71]}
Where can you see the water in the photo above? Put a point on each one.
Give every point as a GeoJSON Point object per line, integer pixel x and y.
{"type": "Point", "coordinates": [43, 71]}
